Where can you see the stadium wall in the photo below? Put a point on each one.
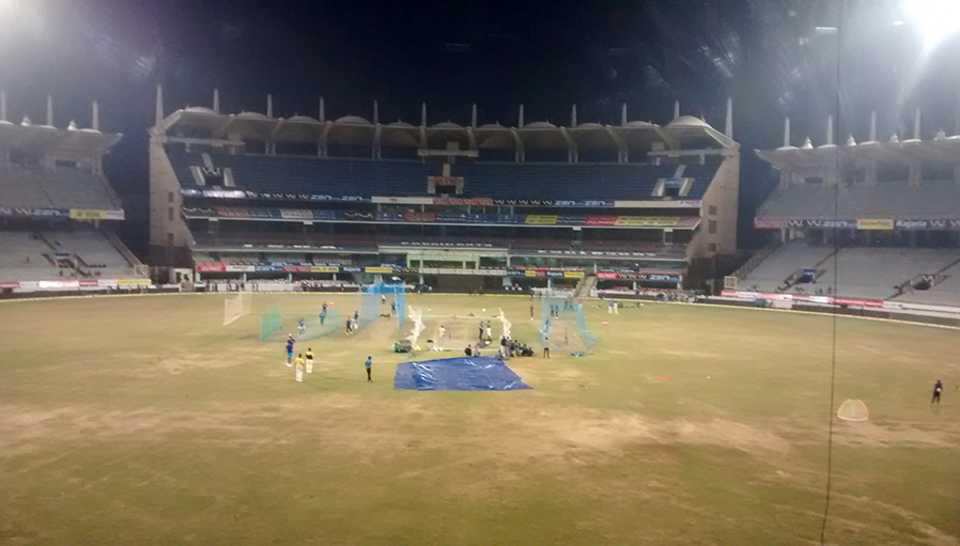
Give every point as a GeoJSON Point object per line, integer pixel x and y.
{"type": "Point", "coordinates": [169, 236]}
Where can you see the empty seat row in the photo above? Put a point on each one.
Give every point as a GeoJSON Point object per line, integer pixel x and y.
{"type": "Point", "coordinates": [500, 180]}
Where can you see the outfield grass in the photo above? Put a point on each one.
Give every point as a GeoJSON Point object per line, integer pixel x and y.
{"type": "Point", "coordinates": [144, 421]}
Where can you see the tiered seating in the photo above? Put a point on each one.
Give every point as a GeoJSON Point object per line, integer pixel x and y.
{"type": "Point", "coordinates": [932, 199]}
{"type": "Point", "coordinates": [336, 177]}
{"type": "Point", "coordinates": [946, 292]}
{"type": "Point", "coordinates": [30, 256]}
{"type": "Point", "coordinates": [510, 181]}
{"type": "Point", "coordinates": [784, 262]}
{"type": "Point", "coordinates": [19, 188]}
{"type": "Point", "coordinates": [573, 182]}
{"type": "Point", "coordinates": [64, 187]}
{"type": "Point", "coordinates": [22, 258]}
{"type": "Point", "coordinates": [867, 272]}
{"type": "Point", "coordinates": [876, 272]}
{"type": "Point", "coordinates": [73, 188]}
{"type": "Point", "coordinates": [95, 253]}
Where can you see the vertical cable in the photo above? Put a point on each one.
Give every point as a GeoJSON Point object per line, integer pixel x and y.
{"type": "Point", "coordinates": [836, 282]}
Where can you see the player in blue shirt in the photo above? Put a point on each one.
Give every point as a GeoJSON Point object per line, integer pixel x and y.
{"type": "Point", "coordinates": [290, 343]}
{"type": "Point", "coordinates": [368, 364]}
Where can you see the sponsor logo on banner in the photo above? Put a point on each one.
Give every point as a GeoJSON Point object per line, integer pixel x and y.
{"type": "Point", "coordinates": [911, 225]}
{"type": "Point", "coordinates": [532, 273]}
{"type": "Point", "coordinates": [57, 285]}
{"type": "Point", "coordinates": [211, 267]}
{"type": "Point", "coordinates": [552, 203]}
{"type": "Point", "coordinates": [573, 274]}
{"type": "Point", "coordinates": [133, 283]}
{"type": "Point", "coordinates": [647, 221]}
{"type": "Point", "coordinates": [821, 223]}
{"type": "Point", "coordinates": [88, 282]}
{"type": "Point", "coordinates": [768, 223]}
{"type": "Point", "coordinates": [96, 214]}
{"type": "Point", "coordinates": [325, 269]}
{"type": "Point", "coordinates": [107, 283]}
{"type": "Point", "coordinates": [461, 201]}
{"type": "Point", "coordinates": [296, 268]}
{"type": "Point", "coordinates": [664, 204]}
{"type": "Point", "coordinates": [607, 275]}
{"type": "Point", "coordinates": [37, 213]}
{"type": "Point", "coordinates": [445, 180]}
{"type": "Point", "coordinates": [402, 200]}
{"type": "Point", "coordinates": [9, 285]}
{"type": "Point", "coordinates": [875, 224]}
{"type": "Point", "coordinates": [541, 219]}
{"type": "Point", "coordinates": [224, 194]}
{"type": "Point", "coordinates": [236, 268]}
{"type": "Point", "coordinates": [378, 269]}
{"type": "Point", "coordinates": [555, 274]}
{"type": "Point", "coordinates": [600, 220]}
{"type": "Point", "coordinates": [300, 214]}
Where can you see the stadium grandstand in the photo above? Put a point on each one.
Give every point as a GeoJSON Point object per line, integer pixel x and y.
{"type": "Point", "coordinates": [56, 209]}
{"type": "Point", "coordinates": [880, 217]}
{"type": "Point", "coordinates": [460, 207]}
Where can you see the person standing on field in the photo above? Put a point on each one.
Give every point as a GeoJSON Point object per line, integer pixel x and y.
{"type": "Point", "coordinates": [298, 368]}
{"type": "Point", "coordinates": [937, 389]}
{"type": "Point", "coordinates": [368, 364]}
{"type": "Point", "coordinates": [290, 343]}
{"type": "Point", "coordinates": [309, 360]}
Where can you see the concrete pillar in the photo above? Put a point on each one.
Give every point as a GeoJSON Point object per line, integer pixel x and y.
{"type": "Point", "coordinates": [158, 107]}
{"type": "Point", "coordinates": [216, 100]}
{"type": "Point", "coordinates": [269, 105]}
{"type": "Point", "coordinates": [786, 131]}
{"type": "Point", "coordinates": [623, 114]}
{"type": "Point", "coordinates": [3, 105]}
{"type": "Point", "coordinates": [728, 125]}
{"type": "Point", "coordinates": [520, 117]}
{"type": "Point", "coordinates": [676, 109]}
{"type": "Point", "coordinates": [915, 174]}
{"type": "Point", "coordinates": [95, 116]}
{"type": "Point", "coordinates": [322, 114]}
{"type": "Point", "coordinates": [423, 114]}
{"type": "Point", "coordinates": [473, 115]}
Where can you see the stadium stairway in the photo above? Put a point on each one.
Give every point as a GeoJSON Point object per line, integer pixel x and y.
{"type": "Point", "coordinates": [585, 287]}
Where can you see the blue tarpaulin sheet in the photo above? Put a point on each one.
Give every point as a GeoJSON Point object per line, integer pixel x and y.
{"type": "Point", "coordinates": [482, 373]}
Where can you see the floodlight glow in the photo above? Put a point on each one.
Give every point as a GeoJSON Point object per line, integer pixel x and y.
{"type": "Point", "coordinates": [935, 19]}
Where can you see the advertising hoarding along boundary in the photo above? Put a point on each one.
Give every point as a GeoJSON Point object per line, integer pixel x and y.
{"type": "Point", "coordinates": [862, 224]}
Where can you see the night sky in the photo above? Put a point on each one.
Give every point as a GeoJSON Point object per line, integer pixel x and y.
{"type": "Point", "coordinates": [547, 55]}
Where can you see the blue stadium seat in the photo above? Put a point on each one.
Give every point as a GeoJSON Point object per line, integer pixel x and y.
{"type": "Point", "coordinates": [501, 180]}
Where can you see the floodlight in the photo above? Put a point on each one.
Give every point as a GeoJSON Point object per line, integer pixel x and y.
{"type": "Point", "coordinates": [936, 20]}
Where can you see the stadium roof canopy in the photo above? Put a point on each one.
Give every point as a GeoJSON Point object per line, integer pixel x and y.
{"type": "Point", "coordinates": [683, 133]}
{"type": "Point", "coordinates": [943, 152]}
{"type": "Point", "coordinates": [54, 141]}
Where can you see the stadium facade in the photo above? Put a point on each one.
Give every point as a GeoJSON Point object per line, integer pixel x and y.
{"type": "Point", "coordinates": [57, 209]}
{"type": "Point", "coordinates": [880, 216]}
{"type": "Point", "coordinates": [257, 196]}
